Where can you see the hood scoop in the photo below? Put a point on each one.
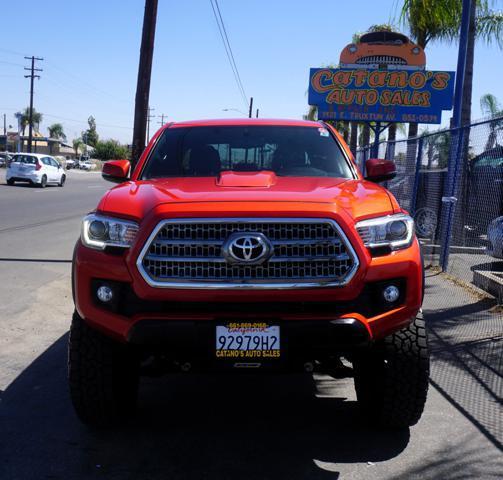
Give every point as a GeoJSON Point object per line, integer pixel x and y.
{"type": "Point", "coordinates": [263, 178]}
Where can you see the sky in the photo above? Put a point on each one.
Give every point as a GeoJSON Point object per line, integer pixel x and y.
{"type": "Point", "coordinates": [91, 51]}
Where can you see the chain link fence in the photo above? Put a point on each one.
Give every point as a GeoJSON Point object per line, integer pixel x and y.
{"type": "Point", "coordinates": [451, 181]}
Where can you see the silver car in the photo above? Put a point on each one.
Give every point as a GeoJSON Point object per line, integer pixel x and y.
{"type": "Point", "coordinates": [495, 238]}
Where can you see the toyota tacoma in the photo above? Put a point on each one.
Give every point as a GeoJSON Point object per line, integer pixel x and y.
{"type": "Point", "coordinates": [248, 245]}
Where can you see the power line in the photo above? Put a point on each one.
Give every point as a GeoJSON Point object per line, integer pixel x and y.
{"type": "Point", "coordinates": [87, 84]}
{"type": "Point", "coordinates": [12, 63]}
{"type": "Point", "coordinates": [102, 125]}
{"type": "Point", "coordinates": [161, 123]}
{"type": "Point", "coordinates": [228, 49]}
{"type": "Point", "coordinates": [12, 52]}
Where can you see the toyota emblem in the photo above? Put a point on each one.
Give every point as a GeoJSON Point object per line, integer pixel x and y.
{"type": "Point", "coordinates": [247, 248]}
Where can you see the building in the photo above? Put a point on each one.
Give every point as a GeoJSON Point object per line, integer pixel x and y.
{"type": "Point", "coordinates": [13, 142]}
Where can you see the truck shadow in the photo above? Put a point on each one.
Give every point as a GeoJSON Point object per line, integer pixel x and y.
{"type": "Point", "coordinates": [192, 426]}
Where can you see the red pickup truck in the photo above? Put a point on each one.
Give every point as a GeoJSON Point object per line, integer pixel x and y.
{"type": "Point", "coordinates": [248, 245]}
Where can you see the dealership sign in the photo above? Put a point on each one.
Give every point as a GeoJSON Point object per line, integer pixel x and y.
{"type": "Point", "coordinates": [381, 95]}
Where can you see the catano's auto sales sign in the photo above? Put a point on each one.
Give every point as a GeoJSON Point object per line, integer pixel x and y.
{"type": "Point", "coordinates": [381, 95]}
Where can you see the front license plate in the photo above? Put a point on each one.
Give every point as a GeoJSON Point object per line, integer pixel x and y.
{"type": "Point", "coordinates": [248, 341]}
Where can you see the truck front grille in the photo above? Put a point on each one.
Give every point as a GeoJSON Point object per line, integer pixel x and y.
{"type": "Point", "coordinates": [189, 253]}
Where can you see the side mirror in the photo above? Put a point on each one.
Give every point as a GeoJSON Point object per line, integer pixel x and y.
{"type": "Point", "coordinates": [116, 171]}
{"type": "Point", "coordinates": [379, 170]}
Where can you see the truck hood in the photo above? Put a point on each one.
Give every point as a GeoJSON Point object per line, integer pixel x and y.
{"type": "Point", "coordinates": [359, 198]}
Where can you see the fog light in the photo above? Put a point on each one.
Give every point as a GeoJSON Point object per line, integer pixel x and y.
{"type": "Point", "coordinates": [104, 293]}
{"type": "Point", "coordinates": [391, 293]}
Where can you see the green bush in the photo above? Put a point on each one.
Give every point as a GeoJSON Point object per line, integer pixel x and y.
{"type": "Point", "coordinates": [110, 150]}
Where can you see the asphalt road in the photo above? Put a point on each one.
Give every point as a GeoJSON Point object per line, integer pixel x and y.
{"type": "Point", "coordinates": [212, 426]}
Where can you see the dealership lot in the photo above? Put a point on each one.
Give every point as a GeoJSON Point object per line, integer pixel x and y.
{"type": "Point", "coordinates": [220, 426]}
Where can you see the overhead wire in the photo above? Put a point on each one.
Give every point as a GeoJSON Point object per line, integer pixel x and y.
{"type": "Point", "coordinates": [228, 49]}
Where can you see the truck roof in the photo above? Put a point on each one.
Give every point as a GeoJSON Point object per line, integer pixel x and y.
{"type": "Point", "coordinates": [245, 121]}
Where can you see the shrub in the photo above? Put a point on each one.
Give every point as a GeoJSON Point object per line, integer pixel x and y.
{"type": "Point", "coordinates": [110, 150]}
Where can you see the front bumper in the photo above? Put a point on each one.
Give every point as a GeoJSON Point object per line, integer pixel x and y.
{"type": "Point", "coordinates": [136, 309]}
{"type": "Point", "coordinates": [193, 343]}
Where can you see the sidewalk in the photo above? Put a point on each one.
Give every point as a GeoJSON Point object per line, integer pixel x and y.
{"type": "Point", "coordinates": [466, 341]}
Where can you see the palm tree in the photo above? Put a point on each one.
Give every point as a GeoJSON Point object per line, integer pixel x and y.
{"type": "Point", "coordinates": [491, 107]}
{"type": "Point", "coordinates": [24, 119]}
{"type": "Point", "coordinates": [353, 138]}
{"type": "Point", "coordinates": [56, 131]}
{"type": "Point", "coordinates": [77, 144]}
{"type": "Point", "coordinates": [439, 20]}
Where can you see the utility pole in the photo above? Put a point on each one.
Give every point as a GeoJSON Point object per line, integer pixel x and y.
{"type": "Point", "coordinates": [161, 123]}
{"type": "Point", "coordinates": [256, 115]}
{"type": "Point", "coordinates": [455, 150]}
{"type": "Point", "coordinates": [149, 116]}
{"type": "Point", "coordinates": [5, 129]}
{"type": "Point", "coordinates": [143, 83]}
{"type": "Point", "coordinates": [251, 108]}
{"type": "Point", "coordinates": [31, 76]}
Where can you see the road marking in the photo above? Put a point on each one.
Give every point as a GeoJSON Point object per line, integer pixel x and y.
{"type": "Point", "coordinates": [35, 260]}
{"type": "Point", "coordinates": [39, 224]}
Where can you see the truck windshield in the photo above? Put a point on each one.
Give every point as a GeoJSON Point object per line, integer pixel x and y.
{"type": "Point", "coordinates": [206, 151]}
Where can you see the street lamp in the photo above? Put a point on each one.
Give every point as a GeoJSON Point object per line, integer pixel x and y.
{"type": "Point", "coordinates": [234, 110]}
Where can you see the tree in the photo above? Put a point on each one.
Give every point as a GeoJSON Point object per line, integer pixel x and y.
{"type": "Point", "coordinates": [491, 107]}
{"type": "Point", "coordinates": [24, 119]}
{"type": "Point", "coordinates": [110, 150]}
{"type": "Point", "coordinates": [90, 136]}
{"type": "Point", "coordinates": [353, 138]}
{"type": "Point", "coordinates": [439, 20]}
{"type": "Point", "coordinates": [56, 131]}
{"type": "Point", "coordinates": [77, 145]}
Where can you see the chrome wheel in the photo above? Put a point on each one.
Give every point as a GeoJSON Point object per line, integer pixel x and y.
{"type": "Point", "coordinates": [426, 222]}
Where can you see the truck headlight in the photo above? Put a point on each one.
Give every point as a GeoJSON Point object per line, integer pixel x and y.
{"type": "Point", "coordinates": [393, 231]}
{"type": "Point", "coordinates": [99, 232]}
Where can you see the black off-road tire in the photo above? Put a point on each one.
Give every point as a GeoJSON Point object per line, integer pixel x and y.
{"type": "Point", "coordinates": [391, 380]}
{"type": "Point", "coordinates": [103, 376]}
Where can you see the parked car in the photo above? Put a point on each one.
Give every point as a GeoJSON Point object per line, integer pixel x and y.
{"type": "Point", "coordinates": [4, 159]}
{"type": "Point", "coordinates": [37, 169]}
{"type": "Point", "coordinates": [86, 165]}
{"type": "Point", "coordinates": [248, 244]}
{"type": "Point", "coordinates": [485, 189]}
{"type": "Point", "coordinates": [495, 238]}
{"type": "Point", "coordinates": [70, 163]}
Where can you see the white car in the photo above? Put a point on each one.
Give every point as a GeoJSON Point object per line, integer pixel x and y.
{"type": "Point", "coordinates": [35, 168]}
{"type": "Point", "coordinates": [86, 165]}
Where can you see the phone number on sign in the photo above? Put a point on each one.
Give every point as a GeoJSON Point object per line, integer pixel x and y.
{"type": "Point", "coordinates": [408, 117]}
